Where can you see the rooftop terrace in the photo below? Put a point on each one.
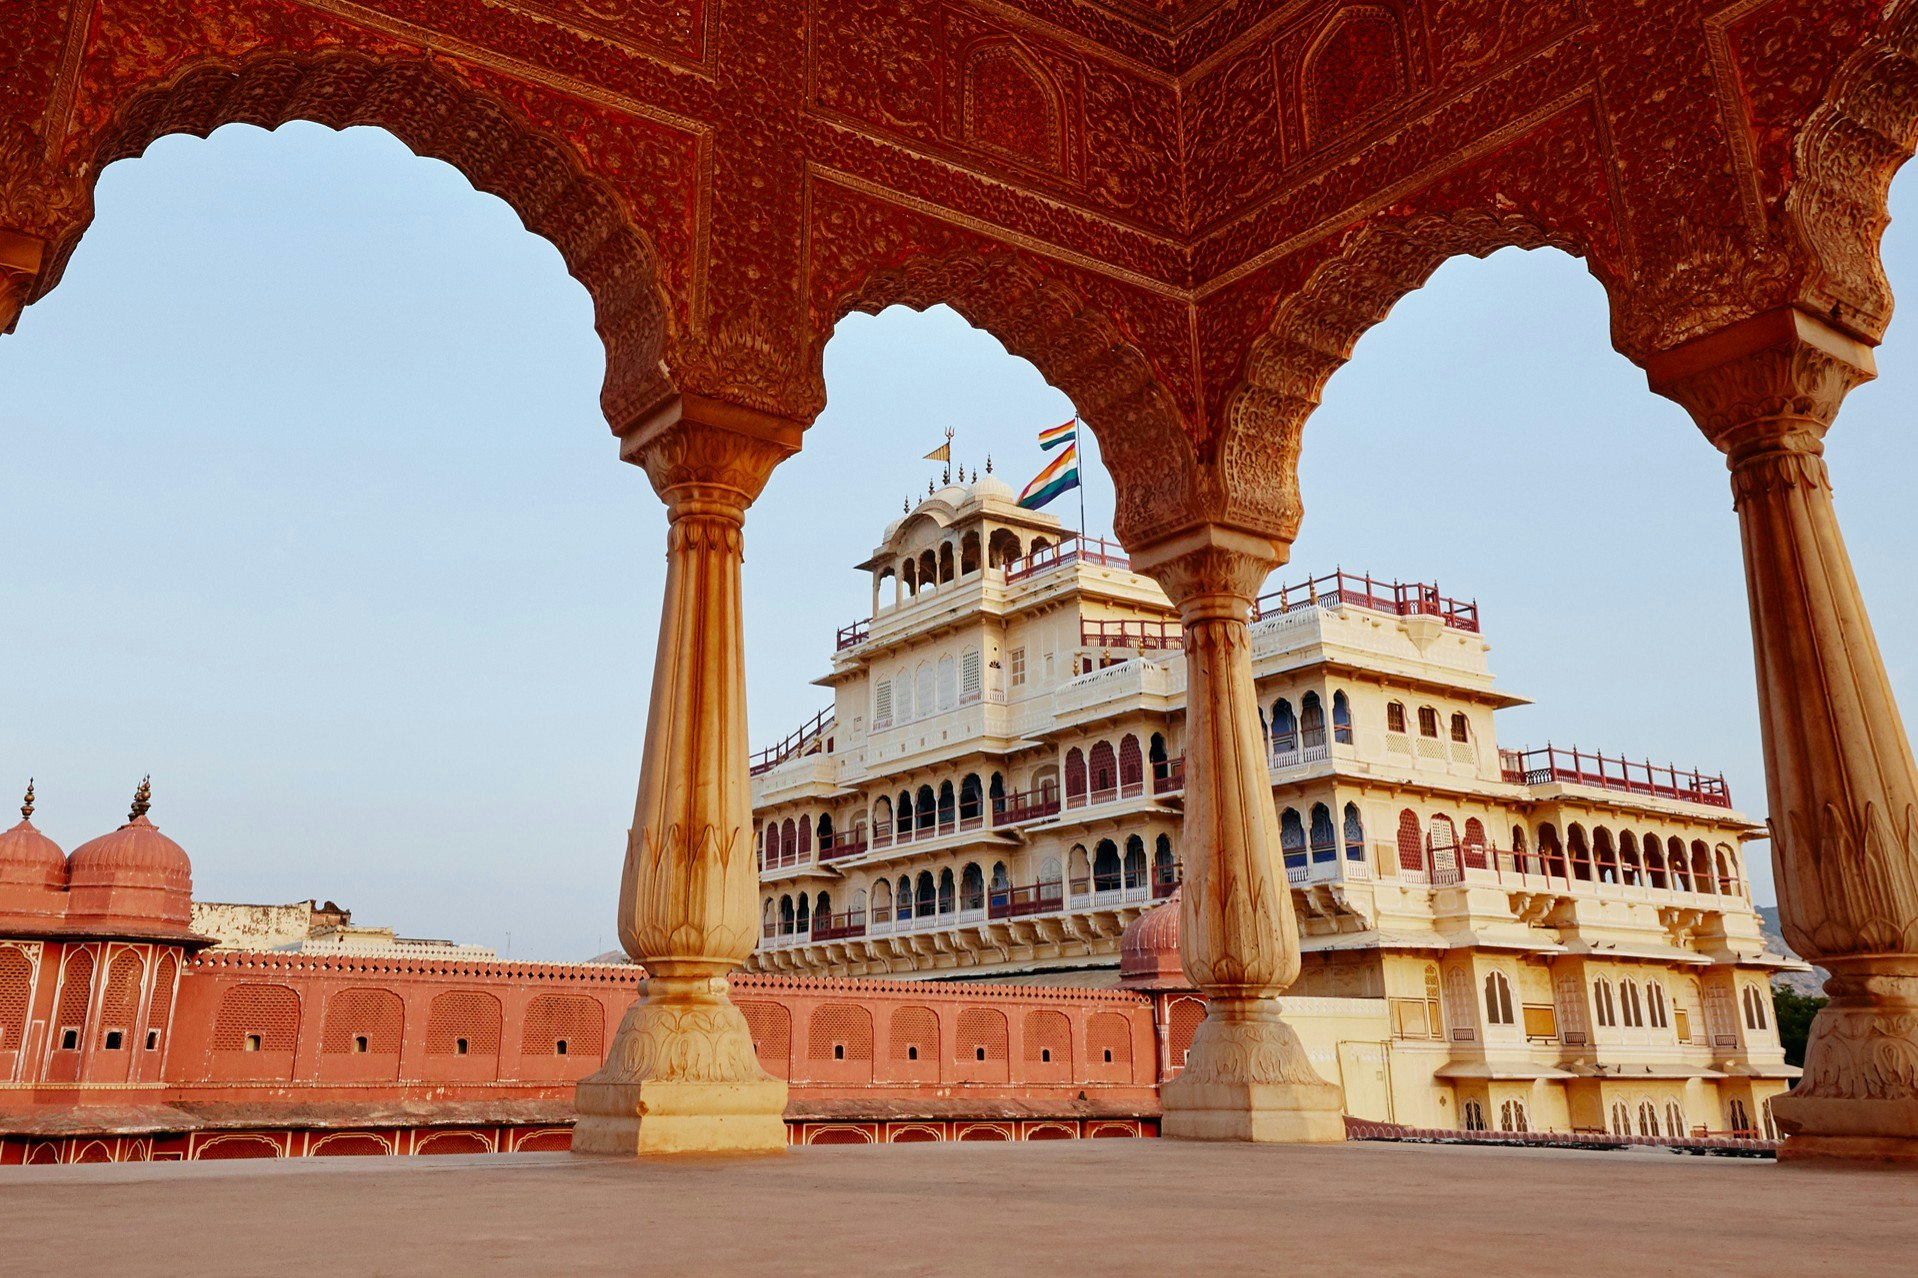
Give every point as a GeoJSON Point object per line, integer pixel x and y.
{"type": "Point", "coordinates": [1120, 1207]}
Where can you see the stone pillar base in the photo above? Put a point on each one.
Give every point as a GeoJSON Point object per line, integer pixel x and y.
{"type": "Point", "coordinates": [1859, 1096]}
{"type": "Point", "coordinates": [681, 1078]}
{"type": "Point", "coordinates": [1247, 1078]}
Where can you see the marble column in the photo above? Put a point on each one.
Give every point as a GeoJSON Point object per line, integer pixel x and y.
{"type": "Point", "coordinates": [682, 1076]}
{"type": "Point", "coordinates": [1246, 1076]}
{"type": "Point", "coordinates": [1840, 779]}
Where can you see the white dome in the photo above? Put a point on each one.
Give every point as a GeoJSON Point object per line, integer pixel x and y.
{"type": "Point", "coordinates": [993, 486]}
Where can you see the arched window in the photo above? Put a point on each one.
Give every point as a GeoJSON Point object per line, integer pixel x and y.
{"type": "Point", "coordinates": [1341, 719]}
{"type": "Point", "coordinates": [788, 841]}
{"type": "Point", "coordinates": [1075, 777]}
{"type": "Point", "coordinates": [1702, 877]}
{"type": "Point", "coordinates": [1630, 869]}
{"type": "Point", "coordinates": [1621, 1119]}
{"type": "Point", "coordinates": [1395, 716]}
{"type": "Point", "coordinates": [1741, 1118]}
{"type": "Point", "coordinates": [1325, 840]}
{"type": "Point", "coordinates": [1681, 870]}
{"type": "Point", "coordinates": [822, 910]}
{"type": "Point", "coordinates": [1049, 872]}
{"type": "Point", "coordinates": [772, 843]}
{"type": "Point", "coordinates": [1674, 1119]}
{"type": "Point", "coordinates": [1428, 721]}
{"type": "Point", "coordinates": [1473, 845]}
{"type": "Point", "coordinates": [1001, 548]}
{"type": "Point", "coordinates": [804, 922]}
{"type": "Point", "coordinates": [1105, 772]}
{"type": "Point", "coordinates": [786, 916]}
{"type": "Point", "coordinates": [996, 794]}
{"type": "Point", "coordinates": [1165, 869]}
{"type": "Point", "coordinates": [1511, 1117]}
{"type": "Point", "coordinates": [1292, 838]}
{"type": "Point", "coordinates": [882, 901]}
{"type": "Point", "coordinates": [1311, 721]}
{"type": "Point", "coordinates": [1285, 727]}
{"type": "Point", "coordinates": [926, 899]}
{"type": "Point", "coordinates": [945, 563]}
{"type": "Point", "coordinates": [928, 570]}
{"type": "Point", "coordinates": [1548, 850]}
{"type": "Point", "coordinates": [972, 888]}
{"type": "Point", "coordinates": [1606, 857]}
{"type": "Point", "coordinates": [1461, 728]}
{"type": "Point", "coordinates": [1106, 870]}
{"type": "Point", "coordinates": [948, 897]}
{"type": "Point", "coordinates": [1002, 883]}
{"type": "Point", "coordinates": [768, 918]}
{"type": "Point", "coordinates": [969, 554]}
{"type": "Point", "coordinates": [1134, 862]}
{"type": "Point", "coordinates": [903, 902]}
{"type": "Point", "coordinates": [1156, 754]}
{"type": "Point", "coordinates": [1727, 871]}
{"type": "Point", "coordinates": [805, 839]}
{"type": "Point", "coordinates": [909, 574]}
{"type": "Point", "coordinates": [1655, 1001]}
{"type": "Point", "coordinates": [1411, 842]}
{"type": "Point", "coordinates": [1655, 864]}
{"type": "Point", "coordinates": [1603, 1006]}
{"type": "Point", "coordinates": [1634, 1010]}
{"type": "Point", "coordinates": [971, 798]}
{"type": "Point", "coordinates": [1472, 1116]}
{"type": "Point", "coordinates": [1520, 858]}
{"type": "Point", "coordinates": [1498, 1000]}
{"type": "Point", "coordinates": [1079, 866]}
{"type": "Point", "coordinates": [1754, 1008]}
{"type": "Point", "coordinates": [925, 808]}
{"type": "Point", "coordinates": [1444, 850]}
{"type": "Point", "coordinates": [1647, 1119]}
{"type": "Point", "coordinates": [1131, 766]}
{"type": "Point", "coordinates": [948, 806]}
{"type": "Point", "coordinates": [1354, 834]}
{"type": "Point", "coordinates": [1580, 854]}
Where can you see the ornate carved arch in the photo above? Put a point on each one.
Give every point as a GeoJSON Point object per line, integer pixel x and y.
{"type": "Point", "coordinates": [438, 116]}
{"type": "Point", "coordinates": [1311, 336]}
{"type": "Point", "coordinates": [1076, 348]}
{"type": "Point", "coordinates": [1844, 159]}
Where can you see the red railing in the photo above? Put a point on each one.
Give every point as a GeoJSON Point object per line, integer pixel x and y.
{"type": "Point", "coordinates": [1012, 903]}
{"type": "Point", "coordinates": [1163, 884]}
{"type": "Point", "coordinates": [1136, 636]}
{"type": "Point", "coordinates": [1168, 777]}
{"type": "Point", "coordinates": [1400, 598]}
{"type": "Point", "coordinates": [835, 847]}
{"type": "Point", "coordinates": [1070, 550]}
{"type": "Point", "coordinates": [811, 734]}
{"type": "Point", "coordinates": [837, 927]}
{"type": "Point", "coordinates": [1577, 767]}
{"type": "Point", "coordinates": [1027, 805]}
{"type": "Point", "coordinates": [855, 634]}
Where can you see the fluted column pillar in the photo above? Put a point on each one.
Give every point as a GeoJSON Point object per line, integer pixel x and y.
{"type": "Point", "coordinates": [1840, 778]}
{"type": "Point", "coordinates": [1246, 1076]}
{"type": "Point", "coordinates": [682, 1075]}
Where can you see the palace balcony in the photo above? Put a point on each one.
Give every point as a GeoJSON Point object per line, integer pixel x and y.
{"type": "Point", "coordinates": [1341, 589]}
{"type": "Point", "coordinates": [1577, 767]}
{"type": "Point", "coordinates": [812, 737]}
{"type": "Point", "coordinates": [1133, 636]}
{"type": "Point", "coordinates": [1094, 552]}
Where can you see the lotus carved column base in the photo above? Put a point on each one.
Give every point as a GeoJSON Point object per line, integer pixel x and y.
{"type": "Point", "coordinates": [1247, 1078]}
{"type": "Point", "coordinates": [1859, 1096]}
{"type": "Point", "coordinates": [682, 1077]}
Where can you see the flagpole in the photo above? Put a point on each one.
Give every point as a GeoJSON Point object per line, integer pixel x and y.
{"type": "Point", "coordinates": [1080, 461]}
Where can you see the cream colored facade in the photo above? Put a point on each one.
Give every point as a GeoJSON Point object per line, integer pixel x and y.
{"type": "Point", "coordinates": [1496, 939]}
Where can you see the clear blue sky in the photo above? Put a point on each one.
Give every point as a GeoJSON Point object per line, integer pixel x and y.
{"type": "Point", "coordinates": [311, 513]}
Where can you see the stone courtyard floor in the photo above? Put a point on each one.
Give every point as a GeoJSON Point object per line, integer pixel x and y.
{"type": "Point", "coordinates": [1051, 1207]}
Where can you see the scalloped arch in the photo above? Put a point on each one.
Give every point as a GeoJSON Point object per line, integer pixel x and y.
{"type": "Point", "coordinates": [438, 117]}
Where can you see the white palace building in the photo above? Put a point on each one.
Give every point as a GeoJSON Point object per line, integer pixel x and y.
{"type": "Point", "coordinates": [1494, 938]}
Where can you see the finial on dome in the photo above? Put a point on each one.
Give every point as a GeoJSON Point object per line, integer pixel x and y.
{"type": "Point", "coordinates": [906, 505]}
{"type": "Point", "coordinates": [929, 488]}
{"type": "Point", "coordinates": [988, 463]}
{"type": "Point", "coordinates": [26, 805]}
{"type": "Point", "coordinates": [142, 798]}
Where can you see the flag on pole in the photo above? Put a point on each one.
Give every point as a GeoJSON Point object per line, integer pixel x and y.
{"type": "Point", "coordinates": [1057, 435]}
{"type": "Point", "coordinates": [1060, 475]}
{"type": "Point", "coordinates": [942, 453]}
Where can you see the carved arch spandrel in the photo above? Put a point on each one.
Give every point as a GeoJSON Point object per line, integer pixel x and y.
{"type": "Point", "coordinates": [440, 116]}
{"type": "Point", "coordinates": [1843, 161]}
{"type": "Point", "coordinates": [1142, 435]}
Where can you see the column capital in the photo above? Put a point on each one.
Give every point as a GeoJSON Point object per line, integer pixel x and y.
{"type": "Point", "coordinates": [1765, 385]}
{"type": "Point", "coordinates": [1211, 570]}
{"type": "Point", "coordinates": [708, 456]}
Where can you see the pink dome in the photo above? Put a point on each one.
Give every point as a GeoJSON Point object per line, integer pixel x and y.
{"type": "Point", "coordinates": [33, 869]}
{"type": "Point", "coordinates": [135, 874]}
{"type": "Point", "coordinates": [1149, 948]}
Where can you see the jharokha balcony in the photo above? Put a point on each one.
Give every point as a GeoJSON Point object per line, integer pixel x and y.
{"type": "Point", "coordinates": [1340, 589]}
{"type": "Point", "coordinates": [1578, 767]}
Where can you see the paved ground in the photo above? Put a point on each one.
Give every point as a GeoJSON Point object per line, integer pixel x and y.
{"type": "Point", "coordinates": [1051, 1207]}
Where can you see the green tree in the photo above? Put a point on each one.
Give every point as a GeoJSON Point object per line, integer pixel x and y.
{"type": "Point", "coordinates": [1794, 1012]}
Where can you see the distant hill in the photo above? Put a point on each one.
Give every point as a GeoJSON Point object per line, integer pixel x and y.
{"type": "Point", "coordinates": [1812, 982]}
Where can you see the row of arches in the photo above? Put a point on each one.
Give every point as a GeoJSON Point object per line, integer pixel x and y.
{"type": "Point", "coordinates": [956, 558]}
{"type": "Point", "coordinates": [1317, 839]}
{"type": "Point", "coordinates": [1439, 849]}
{"type": "Point", "coordinates": [1291, 730]}
{"type": "Point", "coordinates": [927, 689]}
{"type": "Point", "coordinates": [1104, 772]}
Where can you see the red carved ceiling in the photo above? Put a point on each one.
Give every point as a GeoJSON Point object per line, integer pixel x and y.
{"type": "Point", "coordinates": [1184, 211]}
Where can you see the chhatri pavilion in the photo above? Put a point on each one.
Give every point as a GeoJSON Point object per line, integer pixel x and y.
{"type": "Point", "coordinates": [1184, 213]}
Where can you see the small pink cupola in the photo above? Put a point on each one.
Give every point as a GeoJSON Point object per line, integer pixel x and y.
{"type": "Point", "coordinates": [33, 870]}
{"type": "Point", "coordinates": [134, 881]}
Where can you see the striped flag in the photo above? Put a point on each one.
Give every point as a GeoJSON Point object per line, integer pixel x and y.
{"type": "Point", "coordinates": [1067, 433]}
{"type": "Point", "coordinates": [1060, 475]}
